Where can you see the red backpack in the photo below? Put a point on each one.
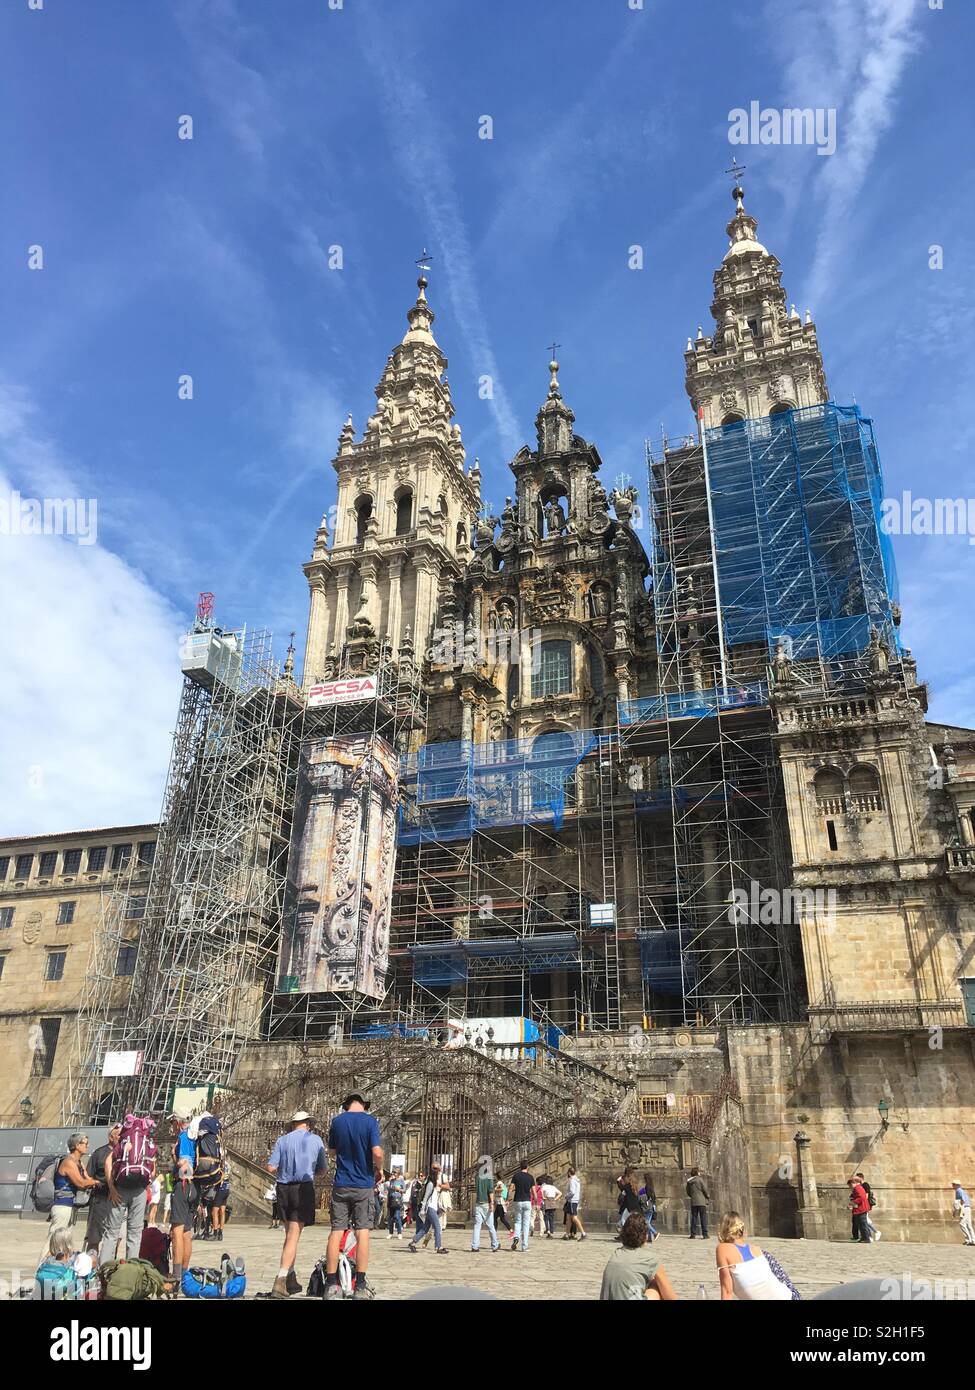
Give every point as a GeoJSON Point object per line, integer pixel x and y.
{"type": "Point", "coordinates": [133, 1158]}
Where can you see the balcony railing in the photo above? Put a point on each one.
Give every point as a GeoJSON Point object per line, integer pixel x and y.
{"type": "Point", "coordinates": [886, 1016]}
{"type": "Point", "coordinates": [960, 859]}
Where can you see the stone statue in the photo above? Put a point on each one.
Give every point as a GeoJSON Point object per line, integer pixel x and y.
{"type": "Point", "coordinates": [505, 618]}
{"type": "Point", "coordinates": [555, 521]}
{"type": "Point", "coordinates": [484, 532]}
{"type": "Point", "coordinates": [781, 664]}
{"type": "Point", "coordinates": [600, 600]}
{"type": "Point", "coordinates": [877, 654]}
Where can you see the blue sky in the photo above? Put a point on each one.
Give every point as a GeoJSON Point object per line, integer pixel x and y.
{"type": "Point", "coordinates": [358, 127]}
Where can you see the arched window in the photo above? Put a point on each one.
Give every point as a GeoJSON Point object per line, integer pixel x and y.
{"type": "Point", "coordinates": [363, 511]}
{"type": "Point", "coordinates": [865, 793]}
{"type": "Point", "coordinates": [830, 790]}
{"type": "Point", "coordinates": [552, 669]}
{"type": "Point", "coordinates": [553, 767]}
{"type": "Point", "coordinates": [404, 511]}
{"type": "Point", "coordinates": [733, 419]}
{"type": "Point", "coordinates": [781, 407]}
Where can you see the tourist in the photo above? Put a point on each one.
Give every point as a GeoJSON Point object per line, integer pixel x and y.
{"type": "Point", "coordinates": [430, 1212]}
{"type": "Point", "coordinates": [271, 1195]}
{"type": "Point", "coordinates": [395, 1198]}
{"type": "Point", "coordinates": [747, 1271]}
{"type": "Point", "coordinates": [629, 1199]}
{"type": "Point", "coordinates": [538, 1208]}
{"type": "Point", "coordinates": [295, 1160]}
{"type": "Point", "coordinates": [621, 1208]}
{"type": "Point", "coordinates": [185, 1196]}
{"type": "Point", "coordinates": [551, 1196]}
{"type": "Point", "coordinates": [484, 1207]}
{"type": "Point", "coordinates": [859, 1206]}
{"type": "Point", "coordinates": [570, 1212]}
{"type": "Point", "coordinates": [633, 1272]}
{"type": "Point", "coordinates": [152, 1200]}
{"type": "Point", "coordinates": [64, 1272]}
{"type": "Point", "coordinates": [416, 1197]}
{"type": "Point", "coordinates": [380, 1199]}
{"type": "Point", "coordinates": [871, 1228]}
{"type": "Point", "coordinates": [69, 1179]}
{"type": "Point", "coordinates": [355, 1147]}
{"type": "Point", "coordinates": [99, 1203]}
{"type": "Point", "coordinates": [129, 1170]}
{"type": "Point", "coordinates": [218, 1204]}
{"type": "Point", "coordinates": [648, 1201]}
{"type": "Point", "coordinates": [962, 1207]}
{"type": "Point", "coordinates": [698, 1197]}
{"type": "Point", "coordinates": [501, 1208]}
{"type": "Point", "coordinates": [521, 1185]}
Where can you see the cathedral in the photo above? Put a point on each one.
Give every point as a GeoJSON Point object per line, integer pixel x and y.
{"type": "Point", "coordinates": [624, 798]}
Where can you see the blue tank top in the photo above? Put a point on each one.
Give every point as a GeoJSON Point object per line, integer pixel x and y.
{"type": "Point", "coordinates": [744, 1251]}
{"type": "Point", "coordinates": [64, 1189]}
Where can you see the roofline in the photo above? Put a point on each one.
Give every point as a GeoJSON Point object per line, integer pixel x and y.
{"type": "Point", "coordinates": [62, 835]}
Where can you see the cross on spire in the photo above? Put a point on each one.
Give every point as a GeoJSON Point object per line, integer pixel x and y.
{"type": "Point", "coordinates": [736, 169]}
{"type": "Point", "coordinates": [553, 349]}
{"type": "Point", "coordinates": [423, 261]}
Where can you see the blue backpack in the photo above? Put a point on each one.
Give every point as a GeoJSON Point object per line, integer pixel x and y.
{"type": "Point", "coordinates": [229, 1281]}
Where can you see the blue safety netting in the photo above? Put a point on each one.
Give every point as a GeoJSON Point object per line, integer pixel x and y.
{"type": "Point", "coordinates": [448, 962]}
{"type": "Point", "coordinates": [693, 704]}
{"type": "Point", "coordinates": [660, 962]}
{"type": "Point", "coordinates": [796, 502]}
{"type": "Point", "coordinates": [450, 790]}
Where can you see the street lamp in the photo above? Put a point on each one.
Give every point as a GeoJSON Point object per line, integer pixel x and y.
{"type": "Point", "coordinates": [27, 1109]}
{"type": "Point", "coordinates": [883, 1108]}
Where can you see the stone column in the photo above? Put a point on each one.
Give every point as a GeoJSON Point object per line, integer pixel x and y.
{"type": "Point", "coordinates": [395, 601]}
{"type": "Point", "coordinates": [426, 594]}
{"type": "Point", "coordinates": [467, 714]}
{"type": "Point", "coordinates": [341, 606]}
{"type": "Point", "coordinates": [317, 629]}
{"type": "Point", "coordinates": [810, 1220]}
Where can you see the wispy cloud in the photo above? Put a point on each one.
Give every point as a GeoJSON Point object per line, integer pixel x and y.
{"type": "Point", "coordinates": [91, 680]}
{"type": "Point", "coordinates": [850, 55]}
{"type": "Point", "coordinates": [419, 144]}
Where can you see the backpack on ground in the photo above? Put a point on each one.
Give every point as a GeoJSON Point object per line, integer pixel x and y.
{"type": "Point", "coordinates": [133, 1158]}
{"type": "Point", "coordinates": [56, 1281]}
{"type": "Point", "coordinates": [42, 1186]}
{"type": "Point", "coordinates": [229, 1281]}
{"type": "Point", "coordinates": [318, 1282]}
{"type": "Point", "coordinates": [209, 1161]}
{"type": "Point", "coordinates": [124, 1281]}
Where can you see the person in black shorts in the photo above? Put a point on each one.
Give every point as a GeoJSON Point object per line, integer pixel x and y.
{"type": "Point", "coordinates": [295, 1159]}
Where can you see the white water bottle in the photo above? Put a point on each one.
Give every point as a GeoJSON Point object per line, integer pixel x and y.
{"type": "Point", "coordinates": [701, 1291]}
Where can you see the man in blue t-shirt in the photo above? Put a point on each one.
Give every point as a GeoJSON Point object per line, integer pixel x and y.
{"type": "Point", "coordinates": [355, 1148]}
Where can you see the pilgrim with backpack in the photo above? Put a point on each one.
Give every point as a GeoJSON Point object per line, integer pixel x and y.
{"type": "Point", "coordinates": [129, 1169]}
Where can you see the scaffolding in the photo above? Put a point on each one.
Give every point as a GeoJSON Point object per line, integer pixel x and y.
{"type": "Point", "coordinates": [393, 710]}
{"type": "Point", "coordinates": [766, 539]}
{"type": "Point", "coordinates": [505, 900]}
{"type": "Point", "coordinates": [209, 935]}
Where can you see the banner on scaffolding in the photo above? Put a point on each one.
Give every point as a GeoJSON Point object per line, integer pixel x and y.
{"type": "Point", "coordinates": [340, 874]}
{"type": "Point", "coordinates": [344, 692]}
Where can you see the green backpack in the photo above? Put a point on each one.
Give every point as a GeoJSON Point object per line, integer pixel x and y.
{"type": "Point", "coordinates": [125, 1280]}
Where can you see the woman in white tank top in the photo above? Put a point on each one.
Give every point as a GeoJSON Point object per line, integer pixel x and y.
{"type": "Point", "coordinates": [746, 1271]}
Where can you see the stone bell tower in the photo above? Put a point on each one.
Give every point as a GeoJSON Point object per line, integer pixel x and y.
{"type": "Point", "coordinates": [762, 358]}
{"type": "Point", "coordinates": [404, 513]}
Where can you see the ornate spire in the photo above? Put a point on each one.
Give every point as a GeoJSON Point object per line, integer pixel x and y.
{"type": "Point", "coordinates": [554, 421]}
{"type": "Point", "coordinates": [761, 357]}
{"type": "Point", "coordinates": [420, 317]}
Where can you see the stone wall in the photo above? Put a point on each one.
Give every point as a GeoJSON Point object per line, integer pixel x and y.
{"type": "Point", "coordinates": [832, 1091]}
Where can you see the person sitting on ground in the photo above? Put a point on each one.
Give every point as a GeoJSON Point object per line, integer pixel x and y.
{"type": "Point", "coordinates": [64, 1273]}
{"type": "Point", "coordinates": [747, 1271]}
{"type": "Point", "coordinates": [633, 1271]}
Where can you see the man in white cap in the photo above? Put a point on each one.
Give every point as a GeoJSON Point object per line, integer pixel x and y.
{"type": "Point", "coordinates": [295, 1160]}
{"type": "Point", "coordinates": [963, 1210]}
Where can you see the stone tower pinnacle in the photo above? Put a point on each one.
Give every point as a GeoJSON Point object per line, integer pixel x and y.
{"type": "Point", "coordinates": [762, 358]}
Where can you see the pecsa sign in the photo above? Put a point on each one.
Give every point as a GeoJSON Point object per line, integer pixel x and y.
{"type": "Point", "coordinates": [344, 691]}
